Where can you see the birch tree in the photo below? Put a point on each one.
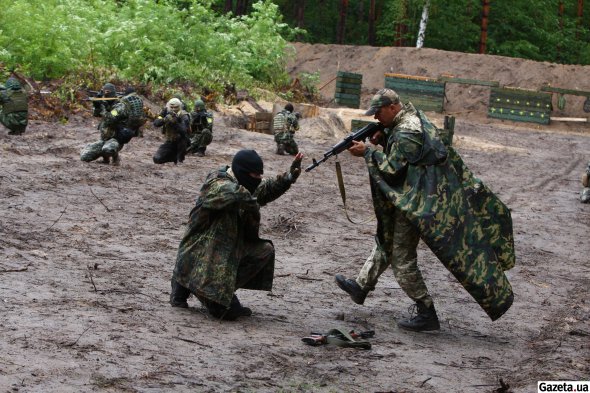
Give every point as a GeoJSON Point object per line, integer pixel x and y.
{"type": "Point", "coordinates": [423, 23]}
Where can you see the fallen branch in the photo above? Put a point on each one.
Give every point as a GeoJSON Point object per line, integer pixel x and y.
{"type": "Point", "coordinates": [78, 339]}
{"type": "Point", "coordinates": [22, 269]}
{"type": "Point", "coordinates": [105, 206]}
{"type": "Point", "coordinates": [193, 342]}
{"type": "Point", "coordinates": [58, 218]}
{"type": "Point", "coordinates": [309, 278]}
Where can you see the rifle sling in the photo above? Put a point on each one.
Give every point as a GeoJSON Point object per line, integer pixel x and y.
{"type": "Point", "coordinates": [343, 195]}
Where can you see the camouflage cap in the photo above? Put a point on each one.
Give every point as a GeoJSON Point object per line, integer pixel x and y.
{"type": "Point", "coordinates": [382, 98]}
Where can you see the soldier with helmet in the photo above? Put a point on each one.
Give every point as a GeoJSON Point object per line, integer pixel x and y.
{"type": "Point", "coordinates": [175, 123]}
{"type": "Point", "coordinates": [121, 120]}
{"type": "Point", "coordinates": [201, 130]}
{"type": "Point", "coordinates": [284, 125]}
{"type": "Point", "coordinates": [14, 107]}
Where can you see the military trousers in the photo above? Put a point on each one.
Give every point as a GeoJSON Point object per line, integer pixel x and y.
{"type": "Point", "coordinates": [16, 122]}
{"type": "Point", "coordinates": [286, 139]}
{"type": "Point", "coordinates": [105, 149]}
{"type": "Point", "coordinates": [200, 141]}
{"type": "Point", "coordinates": [257, 259]}
{"type": "Point", "coordinates": [398, 250]}
{"type": "Point", "coordinates": [171, 151]}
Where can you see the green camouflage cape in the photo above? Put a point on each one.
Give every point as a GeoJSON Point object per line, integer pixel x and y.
{"type": "Point", "coordinates": [464, 224]}
{"type": "Point", "coordinates": [225, 216]}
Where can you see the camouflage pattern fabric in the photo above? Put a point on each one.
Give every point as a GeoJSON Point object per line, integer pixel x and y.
{"type": "Point", "coordinates": [14, 110]}
{"type": "Point", "coordinates": [98, 149]}
{"type": "Point", "coordinates": [221, 250]}
{"type": "Point", "coordinates": [466, 226]}
{"type": "Point", "coordinates": [285, 124]}
{"type": "Point", "coordinates": [201, 130]}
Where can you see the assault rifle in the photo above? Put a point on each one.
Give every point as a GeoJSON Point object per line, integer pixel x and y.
{"type": "Point", "coordinates": [94, 95]}
{"type": "Point", "coordinates": [360, 135]}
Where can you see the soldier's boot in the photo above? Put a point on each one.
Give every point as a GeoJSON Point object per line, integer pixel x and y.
{"type": "Point", "coordinates": [232, 313]}
{"type": "Point", "coordinates": [585, 195]}
{"type": "Point", "coordinates": [425, 320]}
{"type": "Point", "coordinates": [200, 151]}
{"type": "Point", "coordinates": [281, 149]}
{"type": "Point", "coordinates": [106, 160]}
{"type": "Point", "coordinates": [357, 294]}
{"type": "Point", "coordinates": [116, 159]}
{"type": "Point", "coordinates": [586, 180]}
{"type": "Point", "coordinates": [178, 295]}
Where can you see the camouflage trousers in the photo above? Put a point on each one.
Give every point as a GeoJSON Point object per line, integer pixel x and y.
{"type": "Point", "coordinates": [16, 122]}
{"type": "Point", "coordinates": [171, 151]}
{"type": "Point", "coordinates": [200, 141]}
{"type": "Point", "coordinates": [105, 149]}
{"type": "Point", "coordinates": [286, 139]}
{"type": "Point", "coordinates": [398, 250]}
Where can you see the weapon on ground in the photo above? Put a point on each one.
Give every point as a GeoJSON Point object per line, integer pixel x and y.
{"type": "Point", "coordinates": [315, 339]}
{"type": "Point", "coordinates": [360, 135]}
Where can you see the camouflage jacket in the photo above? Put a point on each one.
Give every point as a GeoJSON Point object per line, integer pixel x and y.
{"type": "Point", "coordinates": [285, 121]}
{"type": "Point", "coordinates": [174, 125]}
{"type": "Point", "coordinates": [114, 115]}
{"type": "Point", "coordinates": [200, 121]}
{"type": "Point", "coordinates": [466, 226]}
{"type": "Point", "coordinates": [225, 216]}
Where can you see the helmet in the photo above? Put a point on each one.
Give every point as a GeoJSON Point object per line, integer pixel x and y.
{"type": "Point", "coordinates": [12, 84]}
{"type": "Point", "coordinates": [109, 90]}
{"type": "Point", "coordinates": [174, 105]}
{"type": "Point", "coordinates": [199, 105]}
{"type": "Point", "coordinates": [289, 107]}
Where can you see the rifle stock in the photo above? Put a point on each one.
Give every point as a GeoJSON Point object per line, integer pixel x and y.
{"type": "Point", "coordinates": [360, 135]}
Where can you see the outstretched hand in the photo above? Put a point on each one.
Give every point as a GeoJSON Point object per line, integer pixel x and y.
{"type": "Point", "coordinates": [295, 169]}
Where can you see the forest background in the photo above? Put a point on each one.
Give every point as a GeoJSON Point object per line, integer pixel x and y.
{"type": "Point", "coordinates": [207, 45]}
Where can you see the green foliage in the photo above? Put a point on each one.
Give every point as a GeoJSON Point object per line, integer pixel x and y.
{"type": "Point", "coordinates": [145, 41]}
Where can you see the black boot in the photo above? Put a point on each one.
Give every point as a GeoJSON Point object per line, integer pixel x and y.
{"type": "Point", "coordinates": [200, 152]}
{"type": "Point", "coordinates": [351, 287]}
{"type": "Point", "coordinates": [178, 295]}
{"type": "Point", "coordinates": [425, 320]}
{"type": "Point", "coordinates": [232, 313]}
{"type": "Point", "coordinates": [281, 149]}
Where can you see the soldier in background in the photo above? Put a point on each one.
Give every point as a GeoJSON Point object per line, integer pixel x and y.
{"type": "Point", "coordinates": [175, 126]}
{"type": "Point", "coordinates": [585, 195]}
{"type": "Point", "coordinates": [284, 125]}
{"type": "Point", "coordinates": [14, 107]}
{"type": "Point", "coordinates": [121, 121]}
{"type": "Point", "coordinates": [201, 130]}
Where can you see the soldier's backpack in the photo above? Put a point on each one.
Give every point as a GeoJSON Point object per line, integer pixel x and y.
{"type": "Point", "coordinates": [134, 105]}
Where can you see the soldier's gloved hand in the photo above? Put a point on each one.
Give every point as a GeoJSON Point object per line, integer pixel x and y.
{"type": "Point", "coordinates": [171, 118]}
{"type": "Point", "coordinates": [295, 169]}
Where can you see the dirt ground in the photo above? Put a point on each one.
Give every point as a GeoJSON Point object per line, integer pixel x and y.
{"type": "Point", "coordinates": [87, 251]}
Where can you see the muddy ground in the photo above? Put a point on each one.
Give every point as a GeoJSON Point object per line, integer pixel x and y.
{"type": "Point", "coordinates": [87, 250]}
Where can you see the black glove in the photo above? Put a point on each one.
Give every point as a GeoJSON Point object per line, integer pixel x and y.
{"type": "Point", "coordinates": [295, 170]}
{"type": "Point", "coordinates": [171, 118]}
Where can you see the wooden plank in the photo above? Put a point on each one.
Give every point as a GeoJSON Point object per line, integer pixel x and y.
{"type": "Point", "coordinates": [356, 92]}
{"type": "Point", "coordinates": [425, 90]}
{"type": "Point", "coordinates": [565, 91]}
{"type": "Point", "coordinates": [347, 96]}
{"type": "Point", "coordinates": [414, 84]}
{"type": "Point", "coordinates": [544, 120]}
{"type": "Point", "coordinates": [469, 81]}
{"type": "Point", "coordinates": [349, 75]}
{"type": "Point", "coordinates": [414, 77]}
{"type": "Point", "coordinates": [348, 85]}
{"type": "Point", "coordinates": [574, 119]}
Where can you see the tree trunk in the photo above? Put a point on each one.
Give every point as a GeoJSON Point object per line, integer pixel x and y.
{"type": "Point", "coordinates": [400, 27]}
{"type": "Point", "coordinates": [423, 24]}
{"type": "Point", "coordinates": [580, 17]}
{"type": "Point", "coordinates": [241, 7]}
{"type": "Point", "coordinates": [342, 22]}
{"type": "Point", "coordinates": [372, 37]}
{"type": "Point", "coordinates": [483, 38]}
{"type": "Point", "coordinates": [300, 13]}
{"type": "Point", "coordinates": [228, 6]}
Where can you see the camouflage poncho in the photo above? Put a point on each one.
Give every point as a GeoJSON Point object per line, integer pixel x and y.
{"type": "Point", "coordinates": [466, 226]}
{"type": "Point", "coordinates": [226, 216]}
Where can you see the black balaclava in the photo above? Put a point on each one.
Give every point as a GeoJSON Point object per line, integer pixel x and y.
{"type": "Point", "coordinates": [244, 163]}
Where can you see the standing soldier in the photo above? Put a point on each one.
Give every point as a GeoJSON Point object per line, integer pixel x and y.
{"type": "Point", "coordinates": [14, 107]}
{"type": "Point", "coordinates": [284, 126]}
{"type": "Point", "coordinates": [175, 123]}
{"type": "Point", "coordinates": [121, 119]}
{"type": "Point", "coordinates": [201, 129]}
